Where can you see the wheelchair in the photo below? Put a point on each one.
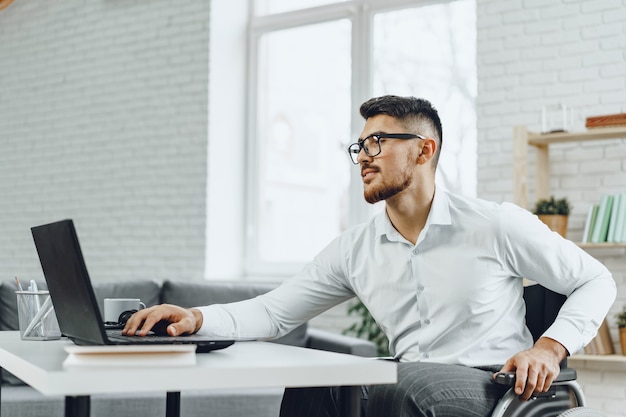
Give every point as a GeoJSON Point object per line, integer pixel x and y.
{"type": "Point", "coordinates": [565, 397]}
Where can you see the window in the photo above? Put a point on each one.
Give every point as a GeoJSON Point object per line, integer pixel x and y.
{"type": "Point", "coordinates": [309, 70]}
{"type": "Point", "coordinates": [265, 7]}
{"type": "Point", "coordinates": [430, 52]}
{"type": "Point", "coordinates": [303, 119]}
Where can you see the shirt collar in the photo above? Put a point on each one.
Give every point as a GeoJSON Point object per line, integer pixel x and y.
{"type": "Point", "coordinates": [439, 214]}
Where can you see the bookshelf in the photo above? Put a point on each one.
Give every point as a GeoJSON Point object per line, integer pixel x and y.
{"type": "Point", "coordinates": [522, 139]}
{"type": "Point", "coordinates": [614, 362]}
{"type": "Point", "coordinates": [602, 245]}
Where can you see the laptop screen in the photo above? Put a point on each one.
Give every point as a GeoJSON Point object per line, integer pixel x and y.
{"type": "Point", "coordinates": [68, 282]}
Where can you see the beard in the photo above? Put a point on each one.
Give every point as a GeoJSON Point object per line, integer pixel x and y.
{"type": "Point", "coordinates": [384, 190]}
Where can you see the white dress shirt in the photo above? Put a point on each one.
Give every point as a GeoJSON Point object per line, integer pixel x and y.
{"type": "Point", "coordinates": [453, 297]}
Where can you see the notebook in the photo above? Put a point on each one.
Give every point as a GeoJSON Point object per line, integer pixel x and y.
{"type": "Point", "coordinates": [74, 300]}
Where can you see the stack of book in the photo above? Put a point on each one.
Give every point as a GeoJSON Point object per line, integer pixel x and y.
{"type": "Point", "coordinates": [130, 356]}
{"type": "Point", "coordinates": [606, 221]}
{"type": "Point", "coordinates": [608, 120]}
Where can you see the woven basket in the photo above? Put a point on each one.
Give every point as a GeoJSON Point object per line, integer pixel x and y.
{"type": "Point", "coordinates": [556, 222]}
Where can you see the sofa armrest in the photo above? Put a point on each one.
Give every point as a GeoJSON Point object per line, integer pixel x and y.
{"type": "Point", "coordinates": [334, 342]}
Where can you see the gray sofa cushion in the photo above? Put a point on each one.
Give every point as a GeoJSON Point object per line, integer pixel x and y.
{"type": "Point", "coordinates": [8, 303]}
{"type": "Point", "coordinates": [200, 293]}
{"type": "Point", "coordinates": [192, 294]}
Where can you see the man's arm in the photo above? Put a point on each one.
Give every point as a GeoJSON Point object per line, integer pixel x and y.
{"type": "Point", "coordinates": [536, 253]}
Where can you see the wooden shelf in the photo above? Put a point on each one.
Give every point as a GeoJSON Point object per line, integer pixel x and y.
{"type": "Point", "coordinates": [603, 245]}
{"type": "Point", "coordinates": [614, 358]}
{"type": "Point", "coordinates": [602, 363]}
{"type": "Point", "coordinates": [598, 133]}
{"type": "Point", "coordinates": [522, 138]}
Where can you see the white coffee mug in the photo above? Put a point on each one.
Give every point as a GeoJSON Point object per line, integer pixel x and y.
{"type": "Point", "coordinates": [114, 307]}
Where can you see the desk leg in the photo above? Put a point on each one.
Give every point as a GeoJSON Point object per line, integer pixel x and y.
{"type": "Point", "coordinates": [350, 402]}
{"type": "Point", "coordinates": [78, 406]}
{"type": "Point", "coordinates": [172, 404]}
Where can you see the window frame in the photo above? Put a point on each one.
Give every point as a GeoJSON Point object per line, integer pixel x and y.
{"type": "Point", "coordinates": [361, 15]}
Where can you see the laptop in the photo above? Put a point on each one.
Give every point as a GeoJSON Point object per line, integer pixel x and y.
{"type": "Point", "coordinates": [74, 300]}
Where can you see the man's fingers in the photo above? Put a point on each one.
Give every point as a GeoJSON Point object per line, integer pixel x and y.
{"type": "Point", "coordinates": [530, 385]}
{"type": "Point", "coordinates": [162, 319]}
{"type": "Point", "coordinates": [184, 326]}
{"type": "Point", "coordinates": [542, 386]}
{"type": "Point", "coordinates": [142, 321]}
{"type": "Point", "coordinates": [521, 377]}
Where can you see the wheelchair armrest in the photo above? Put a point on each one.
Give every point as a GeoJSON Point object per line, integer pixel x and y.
{"type": "Point", "coordinates": [567, 374]}
{"type": "Point", "coordinates": [508, 378]}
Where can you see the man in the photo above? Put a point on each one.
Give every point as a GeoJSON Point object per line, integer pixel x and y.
{"type": "Point", "coordinates": [440, 273]}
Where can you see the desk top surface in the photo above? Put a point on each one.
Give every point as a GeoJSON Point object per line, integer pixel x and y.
{"type": "Point", "coordinates": [242, 365]}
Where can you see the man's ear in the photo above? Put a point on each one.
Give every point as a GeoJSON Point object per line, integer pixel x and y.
{"type": "Point", "coordinates": [429, 147]}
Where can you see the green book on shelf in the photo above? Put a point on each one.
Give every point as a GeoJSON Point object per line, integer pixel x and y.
{"type": "Point", "coordinates": [620, 228]}
{"type": "Point", "coordinates": [601, 228]}
{"type": "Point", "coordinates": [592, 214]}
{"type": "Point", "coordinates": [617, 202]}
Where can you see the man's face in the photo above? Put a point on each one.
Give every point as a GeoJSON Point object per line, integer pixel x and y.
{"type": "Point", "coordinates": [391, 172]}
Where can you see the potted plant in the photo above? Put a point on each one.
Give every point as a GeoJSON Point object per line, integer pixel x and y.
{"type": "Point", "coordinates": [554, 213]}
{"type": "Point", "coordinates": [367, 328]}
{"type": "Point", "coordinates": [621, 327]}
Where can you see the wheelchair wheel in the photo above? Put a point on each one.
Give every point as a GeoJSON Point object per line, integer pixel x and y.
{"type": "Point", "coordinates": [581, 412]}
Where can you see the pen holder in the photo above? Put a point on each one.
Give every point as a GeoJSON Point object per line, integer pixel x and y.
{"type": "Point", "coordinates": [36, 316]}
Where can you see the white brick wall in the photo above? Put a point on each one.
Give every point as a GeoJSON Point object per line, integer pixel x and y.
{"type": "Point", "coordinates": [533, 53]}
{"type": "Point", "coordinates": [104, 119]}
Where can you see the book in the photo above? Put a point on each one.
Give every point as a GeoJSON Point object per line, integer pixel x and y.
{"type": "Point", "coordinates": [606, 120]}
{"type": "Point", "coordinates": [615, 212]}
{"type": "Point", "coordinates": [592, 214]}
{"type": "Point", "coordinates": [129, 356]}
{"type": "Point", "coordinates": [601, 344]}
{"type": "Point", "coordinates": [620, 232]}
{"type": "Point", "coordinates": [601, 227]}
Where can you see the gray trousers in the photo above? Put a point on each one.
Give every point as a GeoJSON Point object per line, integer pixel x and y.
{"type": "Point", "coordinates": [423, 390]}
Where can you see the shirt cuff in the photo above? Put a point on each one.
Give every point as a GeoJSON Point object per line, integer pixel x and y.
{"type": "Point", "coordinates": [216, 322]}
{"type": "Point", "coordinates": [567, 334]}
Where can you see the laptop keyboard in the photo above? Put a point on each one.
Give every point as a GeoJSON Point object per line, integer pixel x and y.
{"type": "Point", "coordinates": [116, 336]}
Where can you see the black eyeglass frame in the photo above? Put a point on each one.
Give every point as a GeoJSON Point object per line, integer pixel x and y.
{"type": "Point", "coordinates": [355, 148]}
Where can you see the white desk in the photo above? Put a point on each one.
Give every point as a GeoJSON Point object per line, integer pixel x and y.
{"type": "Point", "coordinates": [242, 365]}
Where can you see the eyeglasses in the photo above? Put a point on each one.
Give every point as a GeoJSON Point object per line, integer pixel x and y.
{"type": "Point", "coordinates": [371, 144]}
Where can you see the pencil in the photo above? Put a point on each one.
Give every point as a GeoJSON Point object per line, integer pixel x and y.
{"type": "Point", "coordinates": [19, 286]}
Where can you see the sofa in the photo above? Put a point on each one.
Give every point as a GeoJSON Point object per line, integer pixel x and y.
{"type": "Point", "coordinates": [18, 399]}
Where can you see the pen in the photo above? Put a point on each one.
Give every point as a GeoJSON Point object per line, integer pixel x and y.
{"type": "Point", "coordinates": [35, 305]}
{"type": "Point", "coordinates": [39, 317]}
{"type": "Point", "coordinates": [33, 288]}
{"type": "Point", "coordinates": [19, 285]}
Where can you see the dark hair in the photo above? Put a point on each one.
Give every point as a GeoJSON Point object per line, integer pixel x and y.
{"type": "Point", "coordinates": [408, 110]}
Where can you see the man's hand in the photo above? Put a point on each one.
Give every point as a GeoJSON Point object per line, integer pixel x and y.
{"type": "Point", "coordinates": [166, 319]}
{"type": "Point", "coordinates": [536, 368]}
